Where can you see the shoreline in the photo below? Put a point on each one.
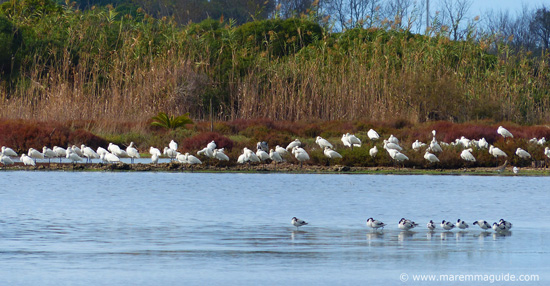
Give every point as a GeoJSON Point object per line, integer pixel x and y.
{"type": "Point", "coordinates": [271, 168]}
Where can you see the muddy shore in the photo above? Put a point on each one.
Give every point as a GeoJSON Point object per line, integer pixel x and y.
{"type": "Point", "coordinates": [267, 168]}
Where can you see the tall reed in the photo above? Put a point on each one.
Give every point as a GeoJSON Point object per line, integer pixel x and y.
{"type": "Point", "coordinates": [284, 70]}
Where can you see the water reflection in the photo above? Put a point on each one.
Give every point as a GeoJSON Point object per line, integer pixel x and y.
{"type": "Point", "coordinates": [222, 227]}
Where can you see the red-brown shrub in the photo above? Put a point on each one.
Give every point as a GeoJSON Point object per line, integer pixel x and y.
{"type": "Point", "coordinates": [200, 141]}
{"type": "Point", "coordinates": [81, 136]}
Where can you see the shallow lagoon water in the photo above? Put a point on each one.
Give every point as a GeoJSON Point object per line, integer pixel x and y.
{"type": "Point", "coordinates": [116, 228]}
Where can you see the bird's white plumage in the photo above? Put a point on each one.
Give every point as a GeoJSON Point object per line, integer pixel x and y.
{"type": "Point", "coordinates": [109, 158]}
{"type": "Point", "coordinates": [298, 222]}
{"type": "Point", "coordinates": [28, 161]}
{"type": "Point", "coordinates": [431, 157]}
{"type": "Point", "coordinates": [375, 224]}
{"type": "Point", "coordinates": [295, 143]}
{"type": "Point", "coordinates": [300, 154]}
{"type": "Point", "coordinates": [35, 154]}
{"type": "Point", "coordinates": [496, 152]}
{"type": "Point", "coordinates": [5, 160]}
{"type": "Point", "coordinates": [466, 155]}
{"type": "Point", "coordinates": [173, 145]}
{"type": "Point", "coordinates": [322, 142]}
{"type": "Point", "coordinates": [331, 153]}
{"type": "Point", "coordinates": [275, 156]}
{"type": "Point", "coordinates": [482, 224]}
{"type": "Point", "coordinates": [373, 135]}
{"type": "Point", "coordinates": [461, 224]}
{"type": "Point", "coordinates": [447, 225]}
{"type": "Point", "coordinates": [373, 151]}
{"type": "Point", "coordinates": [522, 153]}
{"type": "Point", "coordinates": [504, 132]}
{"type": "Point", "coordinates": [8, 152]}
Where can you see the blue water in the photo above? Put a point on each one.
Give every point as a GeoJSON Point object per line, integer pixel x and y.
{"type": "Point", "coordinates": [101, 228]}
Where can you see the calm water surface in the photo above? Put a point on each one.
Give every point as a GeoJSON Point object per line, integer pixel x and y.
{"type": "Point", "coordinates": [101, 228]}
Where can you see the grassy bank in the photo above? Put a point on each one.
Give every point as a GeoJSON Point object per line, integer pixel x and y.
{"type": "Point", "coordinates": [274, 168]}
{"type": "Point", "coordinates": [235, 135]}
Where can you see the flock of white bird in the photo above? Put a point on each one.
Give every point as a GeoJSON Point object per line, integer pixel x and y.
{"type": "Point", "coordinates": [113, 153]}
{"type": "Point", "coordinates": [405, 224]}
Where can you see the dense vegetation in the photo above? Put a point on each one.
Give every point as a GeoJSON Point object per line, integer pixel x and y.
{"type": "Point", "coordinates": [61, 63]}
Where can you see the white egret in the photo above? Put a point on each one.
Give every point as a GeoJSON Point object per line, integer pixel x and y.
{"type": "Point", "coordinates": [496, 152]}
{"type": "Point", "coordinates": [435, 147]}
{"type": "Point", "coordinates": [192, 160]}
{"type": "Point", "coordinates": [89, 153]}
{"type": "Point", "coordinates": [132, 152]}
{"type": "Point", "coordinates": [282, 151]}
{"type": "Point", "coordinates": [241, 159]}
{"type": "Point", "coordinates": [331, 154]}
{"type": "Point", "coordinates": [263, 155]}
{"type": "Point", "coordinates": [466, 155]}
{"type": "Point", "coordinates": [345, 140]}
{"type": "Point", "coordinates": [173, 145]}
{"type": "Point", "coordinates": [373, 151]}
{"type": "Point", "coordinates": [73, 157]}
{"type": "Point", "coordinates": [322, 142]}
{"type": "Point", "coordinates": [295, 143]}
{"type": "Point", "coordinates": [113, 148]}
{"type": "Point", "coordinates": [101, 150]}
{"type": "Point", "coordinates": [220, 155]}
{"type": "Point", "coordinates": [464, 141]}
{"type": "Point", "coordinates": [35, 154]}
{"type": "Point", "coordinates": [483, 144]}
{"type": "Point", "coordinates": [431, 157]}
{"type": "Point", "coordinates": [275, 156]}
{"type": "Point", "coordinates": [60, 152]}
{"type": "Point", "coordinates": [417, 145]}
{"type": "Point", "coordinates": [373, 135]}
{"type": "Point", "coordinates": [5, 160]}
{"type": "Point", "coordinates": [522, 153]}
{"type": "Point", "coordinates": [155, 158]}
{"type": "Point", "coordinates": [300, 154]}
{"type": "Point", "coordinates": [181, 158]}
{"type": "Point", "coordinates": [171, 153]}
{"type": "Point", "coordinates": [547, 152]}
{"type": "Point", "coordinates": [27, 160]}
{"type": "Point", "coordinates": [48, 153]}
{"type": "Point", "coordinates": [504, 132]}
{"type": "Point", "coordinates": [109, 157]}
{"type": "Point", "coordinates": [153, 150]}
{"type": "Point", "coordinates": [515, 170]}
{"type": "Point", "coordinates": [212, 145]}
{"type": "Point", "coordinates": [206, 152]}
{"type": "Point", "coordinates": [8, 152]}
{"type": "Point", "coordinates": [250, 156]}
{"type": "Point", "coordinates": [77, 151]}
{"type": "Point", "coordinates": [393, 139]}
{"type": "Point", "coordinates": [397, 156]}
{"type": "Point", "coordinates": [389, 145]}
{"type": "Point", "coordinates": [297, 222]}
{"type": "Point", "coordinates": [353, 140]}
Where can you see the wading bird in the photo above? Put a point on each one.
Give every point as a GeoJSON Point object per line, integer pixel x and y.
{"type": "Point", "coordinates": [298, 222]}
